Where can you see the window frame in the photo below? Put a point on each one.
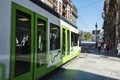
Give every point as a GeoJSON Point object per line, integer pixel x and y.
{"type": "Point", "coordinates": [51, 24]}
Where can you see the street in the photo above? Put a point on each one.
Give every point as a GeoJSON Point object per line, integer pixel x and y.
{"type": "Point", "coordinates": [89, 65]}
{"type": "Point", "coordinates": [60, 40]}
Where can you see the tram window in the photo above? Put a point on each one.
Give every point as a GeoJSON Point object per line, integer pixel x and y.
{"type": "Point", "coordinates": [54, 37]}
{"type": "Point", "coordinates": [68, 42]}
{"type": "Point", "coordinates": [74, 39]}
{"type": "Point", "coordinates": [41, 43]}
{"type": "Point", "coordinates": [63, 42]}
{"type": "Point", "coordinates": [23, 43]}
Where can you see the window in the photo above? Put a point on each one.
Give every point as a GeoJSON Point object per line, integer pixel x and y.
{"type": "Point", "coordinates": [74, 39]}
{"type": "Point", "coordinates": [60, 7]}
{"type": "Point", "coordinates": [63, 42]}
{"type": "Point", "coordinates": [68, 42]}
{"type": "Point", "coordinates": [23, 43]}
{"type": "Point", "coordinates": [41, 43]}
{"type": "Point", "coordinates": [54, 37]}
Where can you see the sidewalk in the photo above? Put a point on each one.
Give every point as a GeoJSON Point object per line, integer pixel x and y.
{"type": "Point", "coordinates": [89, 66]}
{"type": "Point", "coordinates": [111, 53]}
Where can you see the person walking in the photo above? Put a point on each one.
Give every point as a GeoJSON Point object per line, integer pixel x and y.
{"type": "Point", "coordinates": [96, 45]}
{"type": "Point", "coordinates": [104, 46]}
{"type": "Point", "coordinates": [108, 46]}
{"type": "Point", "coordinates": [118, 49]}
{"type": "Point", "coordinates": [99, 47]}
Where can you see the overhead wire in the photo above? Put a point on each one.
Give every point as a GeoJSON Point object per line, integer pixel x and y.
{"type": "Point", "coordinates": [82, 21]}
{"type": "Point", "coordinates": [90, 4]}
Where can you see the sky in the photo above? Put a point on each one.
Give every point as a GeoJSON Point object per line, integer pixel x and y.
{"type": "Point", "coordinates": [89, 13]}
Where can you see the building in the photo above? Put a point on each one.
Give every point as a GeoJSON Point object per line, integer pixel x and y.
{"type": "Point", "coordinates": [64, 7]}
{"type": "Point", "coordinates": [96, 35]}
{"type": "Point", "coordinates": [111, 25]}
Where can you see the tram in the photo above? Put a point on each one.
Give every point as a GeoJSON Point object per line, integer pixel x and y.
{"type": "Point", "coordinates": [34, 40]}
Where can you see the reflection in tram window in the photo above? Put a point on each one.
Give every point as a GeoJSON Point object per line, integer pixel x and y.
{"type": "Point", "coordinates": [74, 39]}
{"type": "Point", "coordinates": [68, 42]}
{"type": "Point", "coordinates": [54, 37]}
{"type": "Point", "coordinates": [41, 43]}
{"type": "Point", "coordinates": [23, 43]}
{"type": "Point", "coordinates": [63, 42]}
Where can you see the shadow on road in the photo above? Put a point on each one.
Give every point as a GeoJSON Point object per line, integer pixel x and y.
{"type": "Point", "coordinates": [71, 74]}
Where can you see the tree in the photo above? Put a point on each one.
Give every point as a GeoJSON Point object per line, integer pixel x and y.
{"type": "Point", "coordinates": [88, 36]}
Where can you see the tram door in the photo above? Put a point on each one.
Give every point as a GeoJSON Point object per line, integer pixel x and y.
{"type": "Point", "coordinates": [22, 41]}
{"type": "Point", "coordinates": [40, 45]}
{"type": "Point", "coordinates": [63, 42]}
{"type": "Point", "coordinates": [28, 44]}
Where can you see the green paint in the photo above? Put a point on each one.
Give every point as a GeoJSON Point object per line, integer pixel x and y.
{"type": "Point", "coordinates": [40, 71]}
{"type": "Point", "coordinates": [27, 75]}
{"type": "Point", "coordinates": [66, 42]}
{"type": "Point", "coordinates": [74, 51]}
{"type": "Point", "coordinates": [43, 70]}
{"type": "Point", "coordinates": [3, 71]}
{"type": "Point", "coordinates": [53, 59]}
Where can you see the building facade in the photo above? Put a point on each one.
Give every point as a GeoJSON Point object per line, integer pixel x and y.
{"type": "Point", "coordinates": [111, 25]}
{"type": "Point", "coordinates": [97, 35]}
{"type": "Point", "coordinates": [64, 7]}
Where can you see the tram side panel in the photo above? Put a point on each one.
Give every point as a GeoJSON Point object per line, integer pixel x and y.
{"type": "Point", "coordinates": [5, 27]}
{"type": "Point", "coordinates": [54, 54]}
{"type": "Point", "coordinates": [69, 46]}
{"type": "Point", "coordinates": [5, 34]}
{"type": "Point", "coordinates": [75, 48]}
{"type": "Point", "coordinates": [56, 32]}
{"type": "Point", "coordinates": [49, 60]}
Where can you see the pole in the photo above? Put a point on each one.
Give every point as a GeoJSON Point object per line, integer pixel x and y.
{"type": "Point", "coordinates": [96, 34]}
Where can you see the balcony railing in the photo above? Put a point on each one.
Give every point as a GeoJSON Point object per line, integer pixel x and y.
{"type": "Point", "coordinates": [53, 2]}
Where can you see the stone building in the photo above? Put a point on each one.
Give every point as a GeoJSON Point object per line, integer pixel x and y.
{"type": "Point", "coordinates": [111, 25]}
{"type": "Point", "coordinates": [64, 7]}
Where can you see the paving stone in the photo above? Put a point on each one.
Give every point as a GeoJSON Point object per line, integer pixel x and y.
{"type": "Point", "coordinates": [90, 66]}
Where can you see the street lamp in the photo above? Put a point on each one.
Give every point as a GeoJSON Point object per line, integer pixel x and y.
{"type": "Point", "coordinates": [96, 33]}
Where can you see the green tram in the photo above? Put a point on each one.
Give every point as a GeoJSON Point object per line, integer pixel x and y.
{"type": "Point", "coordinates": [34, 40]}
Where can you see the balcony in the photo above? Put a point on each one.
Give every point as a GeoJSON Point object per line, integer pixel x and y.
{"type": "Point", "coordinates": [64, 5]}
{"type": "Point", "coordinates": [53, 2]}
{"type": "Point", "coordinates": [66, 1]}
{"type": "Point", "coordinates": [74, 13]}
{"type": "Point", "coordinates": [64, 10]}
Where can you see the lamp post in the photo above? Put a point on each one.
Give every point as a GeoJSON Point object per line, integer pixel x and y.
{"type": "Point", "coordinates": [96, 31]}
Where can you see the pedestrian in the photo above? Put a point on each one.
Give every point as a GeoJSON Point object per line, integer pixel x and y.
{"type": "Point", "coordinates": [104, 46]}
{"type": "Point", "coordinates": [118, 49]}
{"type": "Point", "coordinates": [96, 44]}
{"type": "Point", "coordinates": [99, 47]}
{"type": "Point", "coordinates": [108, 46]}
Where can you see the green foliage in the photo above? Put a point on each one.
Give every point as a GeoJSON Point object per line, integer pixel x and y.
{"type": "Point", "coordinates": [88, 36]}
